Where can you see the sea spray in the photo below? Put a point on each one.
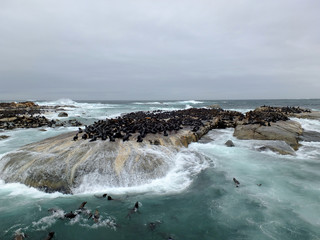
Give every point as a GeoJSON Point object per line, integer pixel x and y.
{"type": "Point", "coordinates": [175, 174]}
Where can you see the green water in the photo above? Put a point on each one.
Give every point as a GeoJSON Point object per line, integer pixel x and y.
{"type": "Point", "coordinates": [211, 208]}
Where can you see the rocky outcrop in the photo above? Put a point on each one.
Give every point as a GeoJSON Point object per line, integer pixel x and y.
{"type": "Point", "coordinates": [287, 131]}
{"type": "Point", "coordinates": [60, 164]}
{"type": "Point", "coordinates": [272, 123]}
{"type": "Point", "coordinates": [13, 109]}
{"type": "Point", "coordinates": [28, 115]}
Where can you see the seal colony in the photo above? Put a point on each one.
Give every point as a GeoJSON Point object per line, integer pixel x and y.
{"type": "Point", "coordinates": [136, 125]}
{"type": "Point", "coordinates": [28, 115]}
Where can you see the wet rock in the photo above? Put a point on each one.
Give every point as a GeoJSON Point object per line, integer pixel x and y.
{"type": "Point", "coordinates": [310, 136]}
{"type": "Point", "coordinates": [288, 131]}
{"type": "Point", "coordinates": [229, 143]}
{"type": "Point", "coordinates": [277, 147]}
{"type": "Point", "coordinates": [3, 137]}
{"type": "Point", "coordinates": [63, 114]}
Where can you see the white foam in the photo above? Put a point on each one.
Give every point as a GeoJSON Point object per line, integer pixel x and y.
{"type": "Point", "coordinates": [308, 124]}
{"type": "Point", "coordinates": [62, 101]}
{"type": "Point", "coordinates": [190, 102]}
{"type": "Point", "coordinates": [182, 168]}
{"type": "Point", "coordinates": [148, 103]}
{"type": "Point", "coordinates": [102, 223]}
{"type": "Point", "coordinates": [47, 221]}
{"type": "Point", "coordinates": [13, 190]}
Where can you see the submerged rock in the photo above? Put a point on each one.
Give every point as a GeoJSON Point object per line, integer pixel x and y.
{"type": "Point", "coordinates": [229, 143]}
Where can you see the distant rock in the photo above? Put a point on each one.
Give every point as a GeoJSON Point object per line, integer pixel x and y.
{"type": "Point", "coordinates": [215, 106]}
{"type": "Point", "coordinates": [28, 115]}
{"type": "Point", "coordinates": [63, 114]}
{"type": "Point", "coordinates": [229, 143]}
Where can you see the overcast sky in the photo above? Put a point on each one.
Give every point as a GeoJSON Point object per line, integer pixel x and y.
{"type": "Point", "coordinates": [159, 49]}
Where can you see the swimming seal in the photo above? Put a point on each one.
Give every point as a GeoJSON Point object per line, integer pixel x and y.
{"type": "Point", "coordinates": [236, 182]}
{"type": "Point", "coordinates": [96, 216]}
{"type": "Point", "coordinates": [70, 215]}
{"type": "Point", "coordinates": [19, 236]}
{"type": "Point", "coordinates": [152, 225]}
{"type": "Point", "coordinates": [133, 210]}
{"type": "Point", "coordinates": [81, 207]}
{"type": "Point", "coordinates": [103, 196]}
{"type": "Point", "coordinates": [50, 236]}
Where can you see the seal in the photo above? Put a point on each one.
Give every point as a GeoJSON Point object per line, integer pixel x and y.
{"type": "Point", "coordinates": [94, 138]}
{"type": "Point", "coordinates": [133, 210]}
{"type": "Point", "coordinates": [50, 236]}
{"type": "Point", "coordinates": [153, 225]}
{"type": "Point", "coordinates": [236, 182]}
{"type": "Point", "coordinates": [103, 196]}
{"type": "Point", "coordinates": [81, 207]}
{"type": "Point", "coordinates": [70, 215]}
{"type": "Point", "coordinates": [19, 236]}
{"type": "Point", "coordinates": [139, 139]}
{"type": "Point", "coordinates": [75, 138]}
{"type": "Point", "coordinates": [96, 216]}
{"type": "Point", "coordinates": [126, 137]}
{"type": "Point", "coordinates": [84, 136]}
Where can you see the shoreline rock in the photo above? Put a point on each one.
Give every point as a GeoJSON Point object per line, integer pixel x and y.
{"type": "Point", "coordinates": [288, 131]}
{"type": "Point", "coordinates": [28, 115]}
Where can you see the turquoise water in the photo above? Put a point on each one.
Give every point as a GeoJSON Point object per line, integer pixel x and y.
{"type": "Point", "coordinates": [197, 199]}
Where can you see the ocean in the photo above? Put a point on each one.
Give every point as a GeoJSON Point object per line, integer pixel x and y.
{"type": "Point", "coordinates": [278, 197]}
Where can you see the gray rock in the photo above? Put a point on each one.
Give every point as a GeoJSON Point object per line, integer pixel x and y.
{"type": "Point", "coordinates": [278, 147]}
{"type": "Point", "coordinates": [229, 143]}
{"type": "Point", "coordinates": [4, 137]}
{"type": "Point", "coordinates": [63, 114]}
{"type": "Point", "coordinates": [310, 136]}
{"type": "Point", "coordinates": [288, 131]}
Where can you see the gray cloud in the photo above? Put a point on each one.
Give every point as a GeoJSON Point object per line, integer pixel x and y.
{"type": "Point", "coordinates": [236, 49]}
